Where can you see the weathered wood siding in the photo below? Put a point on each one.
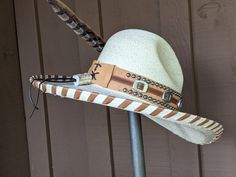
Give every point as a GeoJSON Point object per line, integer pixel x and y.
{"type": "Point", "coordinates": [69, 138]}
{"type": "Point", "coordinates": [14, 159]}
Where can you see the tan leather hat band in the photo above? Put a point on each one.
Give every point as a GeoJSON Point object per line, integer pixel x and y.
{"type": "Point", "coordinates": [115, 78]}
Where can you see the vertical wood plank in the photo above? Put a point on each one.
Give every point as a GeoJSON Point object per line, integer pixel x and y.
{"type": "Point", "coordinates": [30, 63]}
{"type": "Point", "coordinates": [81, 144]}
{"type": "Point", "coordinates": [119, 15]}
{"type": "Point", "coordinates": [66, 117]}
{"type": "Point", "coordinates": [175, 28]}
{"type": "Point", "coordinates": [214, 56]}
{"type": "Point", "coordinates": [13, 144]}
{"type": "Point", "coordinates": [96, 117]}
{"type": "Point", "coordinates": [172, 22]}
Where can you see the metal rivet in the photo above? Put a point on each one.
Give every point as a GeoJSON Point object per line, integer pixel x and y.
{"type": "Point", "coordinates": [125, 89]}
{"type": "Point", "coordinates": [135, 93]}
{"type": "Point", "coordinates": [130, 91]}
{"type": "Point", "coordinates": [138, 77]}
{"type": "Point", "coordinates": [153, 83]}
{"type": "Point", "coordinates": [145, 96]}
{"type": "Point", "coordinates": [150, 98]}
{"type": "Point", "coordinates": [140, 94]}
{"type": "Point", "coordinates": [128, 74]}
{"type": "Point", "coordinates": [144, 79]}
{"type": "Point", "coordinates": [148, 81]}
{"type": "Point", "coordinates": [133, 75]}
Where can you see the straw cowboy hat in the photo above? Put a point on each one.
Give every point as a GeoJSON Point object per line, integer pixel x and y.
{"type": "Point", "coordinates": [136, 71]}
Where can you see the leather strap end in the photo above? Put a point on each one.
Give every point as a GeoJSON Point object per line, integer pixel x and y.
{"type": "Point", "coordinates": [101, 74]}
{"type": "Point", "coordinates": [92, 66]}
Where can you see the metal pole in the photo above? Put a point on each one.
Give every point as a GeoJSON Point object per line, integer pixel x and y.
{"type": "Point", "coordinates": [136, 145]}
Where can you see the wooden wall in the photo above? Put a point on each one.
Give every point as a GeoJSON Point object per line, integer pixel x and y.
{"type": "Point", "coordinates": [69, 138]}
{"type": "Point", "coordinates": [14, 159]}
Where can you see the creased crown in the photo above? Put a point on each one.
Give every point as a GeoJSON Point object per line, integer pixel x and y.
{"type": "Point", "coordinates": [146, 54]}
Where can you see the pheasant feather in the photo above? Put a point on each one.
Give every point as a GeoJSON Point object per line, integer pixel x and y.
{"type": "Point", "coordinates": [77, 25]}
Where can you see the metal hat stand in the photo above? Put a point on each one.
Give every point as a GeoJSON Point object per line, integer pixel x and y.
{"type": "Point", "coordinates": [84, 31]}
{"type": "Point", "coordinates": [136, 140]}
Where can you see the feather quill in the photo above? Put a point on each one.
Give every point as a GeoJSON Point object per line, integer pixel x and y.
{"type": "Point", "coordinates": [77, 25]}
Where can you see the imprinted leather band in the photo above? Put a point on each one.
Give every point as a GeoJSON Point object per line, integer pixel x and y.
{"type": "Point", "coordinates": [77, 25]}
{"type": "Point", "coordinates": [115, 78]}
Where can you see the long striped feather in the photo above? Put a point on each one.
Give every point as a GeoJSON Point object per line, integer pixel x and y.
{"type": "Point", "coordinates": [77, 25]}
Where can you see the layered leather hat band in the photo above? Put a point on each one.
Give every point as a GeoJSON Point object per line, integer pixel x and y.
{"type": "Point", "coordinates": [115, 78]}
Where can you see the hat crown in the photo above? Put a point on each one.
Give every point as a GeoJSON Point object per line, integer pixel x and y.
{"type": "Point", "coordinates": [146, 54]}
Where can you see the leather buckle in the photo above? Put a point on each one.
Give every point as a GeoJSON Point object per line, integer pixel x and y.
{"type": "Point", "coordinates": [140, 86]}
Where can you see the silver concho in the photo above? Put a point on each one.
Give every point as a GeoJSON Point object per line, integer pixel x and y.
{"type": "Point", "coordinates": [180, 104]}
{"type": "Point", "coordinates": [167, 96]}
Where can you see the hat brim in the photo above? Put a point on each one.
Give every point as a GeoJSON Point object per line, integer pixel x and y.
{"type": "Point", "coordinates": [190, 127]}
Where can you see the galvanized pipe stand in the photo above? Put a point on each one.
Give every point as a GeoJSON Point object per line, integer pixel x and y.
{"type": "Point", "coordinates": [136, 140]}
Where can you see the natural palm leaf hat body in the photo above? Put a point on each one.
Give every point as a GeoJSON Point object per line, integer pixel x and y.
{"type": "Point", "coordinates": [137, 71]}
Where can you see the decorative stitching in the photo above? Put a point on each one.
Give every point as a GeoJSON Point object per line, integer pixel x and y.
{"type": "Point", "coordinates": [158, 112]}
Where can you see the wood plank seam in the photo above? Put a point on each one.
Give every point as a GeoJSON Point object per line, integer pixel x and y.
{"type": "Point", "coordinates": [195, 79]}
{"type": "Point", "coordinates": [107, 109]}
{"type": "Point", "coordinates": [40, 50]}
